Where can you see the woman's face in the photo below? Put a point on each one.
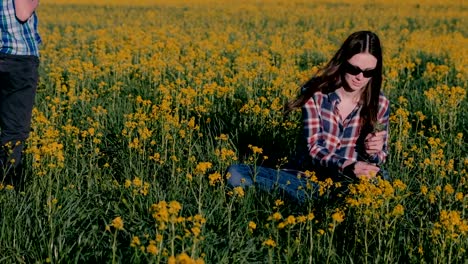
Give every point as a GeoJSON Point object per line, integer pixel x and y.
{"type": "Point", "coordinates": [359, 69]}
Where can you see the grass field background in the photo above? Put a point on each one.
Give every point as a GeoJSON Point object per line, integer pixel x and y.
{"type": "Point", "coordinates": [142, 105]}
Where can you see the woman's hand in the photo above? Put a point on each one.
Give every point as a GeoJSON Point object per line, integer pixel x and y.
{"type": "Point", "coordinates": [365, 170]}
{"type": "Point", "coordinates": [360, 169]}
{"type": "Point", "coordinates": [374, 142]}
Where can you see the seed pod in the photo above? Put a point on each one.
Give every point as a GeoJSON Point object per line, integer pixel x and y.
{"type": "Point", "coordinates": [378, 127]}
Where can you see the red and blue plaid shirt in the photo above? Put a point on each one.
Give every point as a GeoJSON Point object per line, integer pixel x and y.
{"type": "Point", "coordinates": [330, 140]}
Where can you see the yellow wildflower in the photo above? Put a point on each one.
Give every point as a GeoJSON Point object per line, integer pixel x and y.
{"type": "Point", "coordinates": [399, 210]}
{"type": "Point", "coordinates": [214, 177]}
{"type": "Point", "coordinates": [424, 190]}
{"type": "Point", "coordinates": [252, 226]}
{"type": "Point", "coordinates": [135, 241]}
{"type": "Point", "coordinates": [152, 249]}
{"type": "Point", "coordinates": [137, 182]}
{"type": "Point", "coordinates": [269, 242]}
{"type": "Point", "coordinates": [448, 189]}
{"type": "Point", "coordinates": [278, 203]}
{"type": "Point", "coordinates": [291, 220]}
{"type": "Point", "coordinates": [202, 167]}
{"type": "Point", "coordinates": [338, 216]}
{"type": "Point", "coordinates": [239, 191]}
{"type": "Point", "coordinates": [174, 207]}
{"type": "Point", "coordinates": [276, 216]}
{"type": "Point", "coordinates": [127, 184]}
{"type": "Point", "coordinates": [256, 150]}
{"type": "Point", "coordinates": [196, 231]}
{"type": "Point", "coordinates": [117, 223]}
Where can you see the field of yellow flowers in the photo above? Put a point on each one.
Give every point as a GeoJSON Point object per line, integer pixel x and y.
{"type": "Point", "coordinates": [142, 105]}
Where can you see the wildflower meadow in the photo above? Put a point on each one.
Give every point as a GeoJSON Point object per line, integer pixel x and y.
{"type": "Point", "coordinates": [142, 105]}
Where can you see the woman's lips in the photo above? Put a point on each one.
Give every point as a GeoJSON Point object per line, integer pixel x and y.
{"type": "Point", "coordinates": [357, 83]}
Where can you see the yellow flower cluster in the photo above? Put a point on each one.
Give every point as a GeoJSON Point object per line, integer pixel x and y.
{"type": "Point", "coordinates": [117, 223]}
{"type": "Point", "coordinates": [291, 220]}
{"type": "Point", "coordinates": [137, 186]}
{"type": "Point", "coordinates": [338, 216]}
{"type": "Point", "coordinates": [202, 167]}
{"type": "Point", "coordinates": [444, 101]}
{"type": "Point", "coordinates": [168, 213]}
{"type": "Point", "coordinates": [375, 198]}
{"type": "Point", "coordinates": [44, 144]}
{"type": "Point", "coordinates": [138, 125]}
{"type": "Point", "coordinates": [256, 150]}
{"type": "Point", "coordinates": [269, 243]}
{"type": "Point", "coordinates": [7, 187]}
{"type": "Point", "coordinates": [214, 178]}
{"type": "Point", "coordinates": [237, 192]}
{"type": "Point", "coordinates": [437, 72]}
{"type": "Point", "coordinates": [183, 258]}
{"type": "Point", "coordinates": [164, 213]}
{"type": "Point", "coordinates": [226, 154]}
{"type": "Point", "coordinates": [170, 225]}
{"type": "Point", "coordinates": [451, 225]}
{"type": "Point", "coordinates": [252, 226]}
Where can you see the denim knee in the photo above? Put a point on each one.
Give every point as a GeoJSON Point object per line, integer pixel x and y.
{"type": "Point", "coordinates": [239, 175]}
{"type": "Point", "coordinates": [384, 174]}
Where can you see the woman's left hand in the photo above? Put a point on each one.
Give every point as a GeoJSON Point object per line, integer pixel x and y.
{"type": "Point", "coordinates": [374, 142]}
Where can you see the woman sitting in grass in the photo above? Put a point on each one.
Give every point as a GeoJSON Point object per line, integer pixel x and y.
{"type": "Point", "coordinates": [345, 117]}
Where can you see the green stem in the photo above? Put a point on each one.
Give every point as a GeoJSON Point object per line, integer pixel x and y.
{"type": "Point", "coordinates": [172, 238]}
{"type": "Point", "coordinates": [114, 247]}
{"type": "Point", "coordinates": [330, 243]}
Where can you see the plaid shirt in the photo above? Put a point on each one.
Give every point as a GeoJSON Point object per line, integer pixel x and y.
{"type": "Point", "coordinates": [17, 38]}
{"type": "Point", "coordinates": [330, 140]}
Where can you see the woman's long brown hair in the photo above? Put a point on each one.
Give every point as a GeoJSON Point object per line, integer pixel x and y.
{"type": "Point", "coordinates": [330, 77]}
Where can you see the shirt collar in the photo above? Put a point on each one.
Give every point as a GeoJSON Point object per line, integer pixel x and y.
{"type": "Point", "coordinates": [333, 97]}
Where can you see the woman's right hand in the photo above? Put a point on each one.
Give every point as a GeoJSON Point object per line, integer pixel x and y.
{"type": "Point", "coordinates": [365, 170]}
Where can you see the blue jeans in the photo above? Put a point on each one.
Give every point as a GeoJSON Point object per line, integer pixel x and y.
{"type": "Point", "coordinates": [290, 182]}
{"type": "Point", "coordinates": [18, 81]}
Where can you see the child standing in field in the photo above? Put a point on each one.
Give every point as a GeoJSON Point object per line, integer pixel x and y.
{"type": "Point", "coordinates": [345, 117]}
{"type": "Point", "coordinates": [19, 61]}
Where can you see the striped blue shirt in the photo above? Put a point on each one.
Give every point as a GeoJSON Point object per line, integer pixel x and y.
{"type": "Point", "coordinates": [330, 140]}
{"type": "Point", "coordinates": [17, 38]}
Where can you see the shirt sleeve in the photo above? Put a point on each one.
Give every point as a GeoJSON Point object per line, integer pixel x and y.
{"type": "Point", "coordinates": [316, 137]}
{"type": "Point", "coordinates": [383, 117]}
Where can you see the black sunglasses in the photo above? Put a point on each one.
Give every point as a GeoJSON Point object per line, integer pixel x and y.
{"type": "Point", "coordinates": [355, 70]}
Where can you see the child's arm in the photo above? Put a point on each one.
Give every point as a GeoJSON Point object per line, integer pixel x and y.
{"type": "Point", "coordinates": [25, 8]}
